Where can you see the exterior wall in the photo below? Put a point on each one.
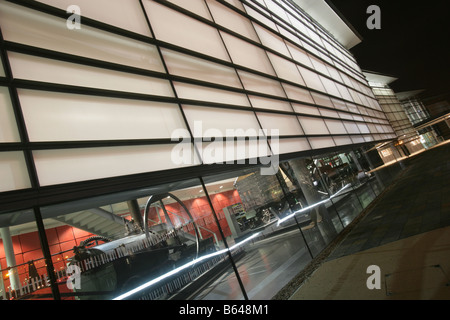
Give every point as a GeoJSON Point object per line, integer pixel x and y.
{"type": "Point", "coordinates": [104, 100]}
{"type": "Point", "coordinates": [93, 117]}
{"type": "Point", "coordinates": [394, 110]}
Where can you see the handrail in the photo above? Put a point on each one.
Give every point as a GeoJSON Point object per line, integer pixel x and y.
{"type": "Point", "coordinates": [198, 226]}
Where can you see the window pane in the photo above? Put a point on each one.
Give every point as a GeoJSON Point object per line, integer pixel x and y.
{"type": "Point", "coordinates": [119, 242]}
{"type": "Point", "coordinates": [196, 68]}
{"type": "Point", "coordinates": [232, 20]}
{"type": "Point", "coordinates": [313, 125]}
{"type": "Point", "coordinates": [13, 171]}
{"type": "Point", "coordinates": [306, 109]}
{"type": "Point", "coordinates": [335, 126]}
{"type": "Point", "coordinates": [272, 104]}
{"type": "Point", "coordinates": [30, 68]}
{"type": "Point", "coordinates": [196, 6]}
{"type": "Point", "coordinates": [181, 30]}
{"type": "Point", "coordinates": [293, 145]}
{"type": "Point", "coordinates": [8, 127]}
{"type": "Point", "coordinates": [299, 94]}
{"type": "Point", "coordinates": [115, 12]}
{"type": "Point", "coordinates": [202, 93]}
{"type": "Point", "coordinates": [321, 142]}
{"type": "Point", "coordinates": [73, 165]}
{"type": "Point", "coordinates": [276, 251]}
{"type": "Point", "coordinates": [260, 84]}
{"type": "Point", "coordinates": [34, 28]}
{"type": "Point", "coordinates": [271, 40]}
{"type": "Point", "coordinates": [312, 79]}
{"type": "Point", "coordinates": [286, 125]}
{"type": "Point", "coordinates": [247, 55]}
{"type": "Point", "coordinates": [58, 117]}
{"type": "Point", "coordinates": [213, 122]}
{"type": "Point", "coordinates": [286, 69]}
{"type": "Point", "coordinates": [23, 268]}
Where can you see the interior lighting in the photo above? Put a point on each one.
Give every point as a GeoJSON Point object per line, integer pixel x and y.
{"type": "Point", "coordinates": [181, 268]}
{"type": "Point", "coordinates": [311, 206]}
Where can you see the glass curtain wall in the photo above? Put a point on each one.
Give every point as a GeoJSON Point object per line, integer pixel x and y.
{"type": "Point", "coordinates": [234, 236]}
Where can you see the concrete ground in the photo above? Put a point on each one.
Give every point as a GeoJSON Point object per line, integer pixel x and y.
{"type": "Point", "coordinates": [405, 233]}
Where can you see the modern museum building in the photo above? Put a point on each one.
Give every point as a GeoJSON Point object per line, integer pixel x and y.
{"type": "Point", "coordinates": [178, 149]}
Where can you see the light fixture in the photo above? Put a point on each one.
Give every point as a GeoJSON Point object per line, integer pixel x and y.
{"type": "Point", "coordinates": [220, 187]}
{"type": "Point", "coordinates": [185, 266]}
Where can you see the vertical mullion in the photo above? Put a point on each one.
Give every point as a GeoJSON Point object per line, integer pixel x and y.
{"type": "Point", "coordinates": [20, 120]}
{"type": "Point", "coordinates": [166, 69]}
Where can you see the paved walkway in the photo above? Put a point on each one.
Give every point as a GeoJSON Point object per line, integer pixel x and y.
{"type": "Point", "coordinates": [406, 233]}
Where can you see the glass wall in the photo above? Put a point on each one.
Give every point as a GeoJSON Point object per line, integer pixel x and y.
{"type": "Point", "coordinates": [24, 269]}
{"type": "Point", "coordinates": [91, 116]}
{"type": "Point", "coordinates": [239, 235]}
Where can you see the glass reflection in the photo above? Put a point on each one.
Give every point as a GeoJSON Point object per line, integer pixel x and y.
{"type": "Point", "coordinates": [271, 253]}
{"type": "Point", "coordinates": [23, 267]}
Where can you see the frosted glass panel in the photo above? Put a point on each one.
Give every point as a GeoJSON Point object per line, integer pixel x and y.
{"type": "Point", "coordinates": [13, 172]}
{"type": "Point", "coordinates": [181, 30]}
{"type": "Point", "coordinates": [328, 113]}
{"type": "Point", "coordinates": [286, 69]}
{"type": "Point", "coordinates": [357, 139]}
{"type": "Point", "coordinates": [272, 104]}
{"type": "Point", "coordinates": [59, 117]}
{"type": "Point", "coordinates": [231, 20]}
{"type": "Point", "coordinates": [313, 125]}
{"type": "Point", "coordinates": [299, 55]}
{"type": "Point", "coordinates": [246, 54]}
{"type": "Point", "coordinates": [351, 127]}
{"type": "Point", "coordinates": [260, 17]}
{"type": "Point", "coordinates": [210, 122]}
{"type": "Point", "coordinates": [321, 142]}
{"type": "Point", "coordinates": [342, 140]}
{"type": "Point", "coordinates": [330, 87]}
{"type": "Point", "coordinates": [30, 68]}
{"type": "Point", "coordinates": [272, 41]}
{"type": "Point", "coordinates": [339, 104]}
{"type": "Point", "coordinates": [223, 151]}
{"type": "Point", "coordinates": [189, 91]}
{"type": "Point", "coordinates": [306, 109]}
{"type": "Point", "coordinates": [34, 28]}
{"type": "Point", "coordinates": [296, 93]}
{"type": "Point", "coordinates": [335, 126]}
{"type": "Point", "coordinates": [319, 65]}
{"type": "Point", "coordinates": [256, 83]}
{"type": "Point", "coordinates": [286, 125]}
{"type": "Point", "coordinates": [363, 128]}
{"type": "Point", "coordinates": [322, 100]}
{"type": "Point", "coordinates": [8, 127]}
{"type": "Point", "coordinates": [196, 68]}
{"type": "Point", "coordinates": [312, 80]}
{"type": "Point", "coordinates": [293, 145]}
{"type": "Point", "coordinates": [196, 6]}
{"type": "Point", "coordinates": [123, 14]}
{"type": "Point", "coordinates": [72, 165]}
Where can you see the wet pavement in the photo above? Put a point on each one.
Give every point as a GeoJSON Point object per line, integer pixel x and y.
{"type": "Point", "coordinates": [405, 232]}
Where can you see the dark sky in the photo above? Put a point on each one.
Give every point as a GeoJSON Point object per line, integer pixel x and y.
{"type": "Point", "coordinates": [412, 45]}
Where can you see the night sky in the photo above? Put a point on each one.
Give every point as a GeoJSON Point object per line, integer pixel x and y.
{"type": "Point", "coordinates": [412, 45]}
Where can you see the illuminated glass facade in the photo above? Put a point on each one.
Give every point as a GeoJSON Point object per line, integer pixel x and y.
{"type": "Point", "coordinates": [89, 107]}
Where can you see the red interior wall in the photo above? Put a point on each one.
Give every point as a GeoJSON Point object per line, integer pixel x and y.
{"type": "Point", "coordinates": [27, 246]}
